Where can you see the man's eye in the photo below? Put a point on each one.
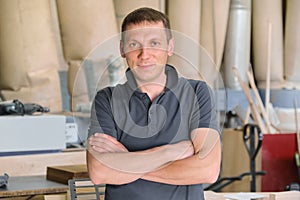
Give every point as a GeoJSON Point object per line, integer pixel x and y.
{"type": "Point", "coordinates": [133, 45]}
{"type": "Point", "coordinates": [155, 43]}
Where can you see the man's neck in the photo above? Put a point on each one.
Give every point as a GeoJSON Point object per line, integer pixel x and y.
{"type": "Point", "coordinates": [153, 90]}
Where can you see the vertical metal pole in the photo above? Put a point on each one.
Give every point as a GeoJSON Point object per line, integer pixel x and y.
{"type": "Point", "coordinates": [252, 159]}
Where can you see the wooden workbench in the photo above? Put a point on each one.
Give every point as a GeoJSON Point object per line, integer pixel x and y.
{"type": "Point", "coordinates": [31, 186]}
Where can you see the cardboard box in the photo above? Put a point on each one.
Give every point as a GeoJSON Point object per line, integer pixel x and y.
{"type": "Point", "coordinates": [235, 161]}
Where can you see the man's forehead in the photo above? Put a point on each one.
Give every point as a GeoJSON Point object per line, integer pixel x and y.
{"type": "Point", "coordinates": [145, 24]}
{"type": "Point", "coordinates": [148, 32]}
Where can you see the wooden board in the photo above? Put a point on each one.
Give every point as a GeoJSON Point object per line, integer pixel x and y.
{"type": "Point", "coordinates": [36, 164]}
{"type": "Point", "coordinates": [30, 186]}
{"type": "Point", "coordinates": [63, 173]}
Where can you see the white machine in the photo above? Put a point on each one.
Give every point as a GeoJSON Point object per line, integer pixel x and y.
{"type": "Point", "coordinates": [30, 133]}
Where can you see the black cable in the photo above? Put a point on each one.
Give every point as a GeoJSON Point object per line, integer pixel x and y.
{"type": "Point", "coordinates": [16, 107]}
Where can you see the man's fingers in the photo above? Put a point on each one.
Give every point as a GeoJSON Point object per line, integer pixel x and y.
{"type": "Point", "coordinates": [106, 143]}
{"type": "Point", "coordinates": [101, 143]}
{"type": "Point", "coordinates": [113, 140]}
{"type": "Point", "coordinates": [104, 150]}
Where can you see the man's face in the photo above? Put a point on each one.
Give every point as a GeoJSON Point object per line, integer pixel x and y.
{"type": "Point", "coordinates": [146, 50]}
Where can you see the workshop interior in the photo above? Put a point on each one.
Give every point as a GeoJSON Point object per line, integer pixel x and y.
{"type": "Point", "coordinates": [56, 54]}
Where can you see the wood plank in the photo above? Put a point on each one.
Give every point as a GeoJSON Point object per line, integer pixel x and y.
{"type": "Point", "coordinates": [36, 164]}
{"type": "Point", "coordinates": [31, 185]}
{"type": "Point", "coordinates": [63, 173]}
{"type": "Point", "coordinates": [253, 107]}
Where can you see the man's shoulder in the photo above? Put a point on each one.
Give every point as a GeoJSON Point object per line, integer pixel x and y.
{"type": "Point", "coordinates": [108, 91]}
{"type": "Point", "coordinates": [192, 82]}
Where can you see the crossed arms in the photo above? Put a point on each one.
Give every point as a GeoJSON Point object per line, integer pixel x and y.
{"type": "Point", "coordinates": [182, 163]}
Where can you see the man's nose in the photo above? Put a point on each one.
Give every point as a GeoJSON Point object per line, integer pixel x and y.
{"type": "Point", "coordinates": [144, 52]}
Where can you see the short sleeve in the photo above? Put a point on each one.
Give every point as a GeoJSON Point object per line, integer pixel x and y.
{"type": "Point", "coordinates": [204, 113]}
{"type": "Point", "coordinates": [101, 115]}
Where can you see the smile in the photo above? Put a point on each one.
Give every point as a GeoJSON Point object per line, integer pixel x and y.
{"type": "Point", "coordinates": [145, 66]}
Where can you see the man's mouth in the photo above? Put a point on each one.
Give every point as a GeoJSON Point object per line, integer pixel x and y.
{"type": "Point", "coordinates": [146, 66]}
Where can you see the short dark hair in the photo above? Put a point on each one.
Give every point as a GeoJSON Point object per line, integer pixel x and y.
{"type": "Point", "coordinates": [147, 14]}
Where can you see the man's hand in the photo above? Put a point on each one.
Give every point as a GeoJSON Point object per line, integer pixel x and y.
{"type": "Point", "coordinates": [104, 143]}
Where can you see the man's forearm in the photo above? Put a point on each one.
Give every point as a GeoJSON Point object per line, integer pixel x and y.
{"type": "Point", "coordinates": [191, 170]}
{"type": "Point", "coordinates": [126, 167]}
{"type": "Point", "coordinates": [101, 174]}
{"type": "Point", "coordinates": [203, 167]}
{"type": "Point", "coordinates": [143, 161]}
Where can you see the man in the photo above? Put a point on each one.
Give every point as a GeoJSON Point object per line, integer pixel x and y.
{"type": "Point", "coordinates": [156, 136]}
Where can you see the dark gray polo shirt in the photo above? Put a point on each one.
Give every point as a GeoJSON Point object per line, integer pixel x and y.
{"type": "Point", "coordinates": [127, 114]}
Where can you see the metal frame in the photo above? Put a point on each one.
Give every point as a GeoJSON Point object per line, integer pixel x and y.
{"type": "Point", "coordinates": [85, 189]}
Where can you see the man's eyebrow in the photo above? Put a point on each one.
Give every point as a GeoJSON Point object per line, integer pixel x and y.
{"type": "Point", "coordinates": [131, 40]}
{"type": "Point", "coordinates": [149, 38]}
{"type": "Point", "coordinates": [158, 39]}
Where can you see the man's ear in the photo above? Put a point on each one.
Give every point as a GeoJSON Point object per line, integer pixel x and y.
{"type": "Point", "coordinates": [122, 49]}
{"type": "Point", "coordinates": [171, 47]}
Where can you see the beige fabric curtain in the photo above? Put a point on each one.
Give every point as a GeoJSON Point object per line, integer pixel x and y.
{"type": "Point", "coordinates": [292, 42]}
{"type": "Point", "coordinates": [267, 26]}
{"type": "Point", "coordinates": [201, 29]}
{"type": "Point", "coordinates": [29, 58]}
{"type": "Point", "coordinates": [185, 22]}
{"type": "Point", "coordinates": [123, 7]}
{"type": "Point", "coordinates": [84, 25]}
